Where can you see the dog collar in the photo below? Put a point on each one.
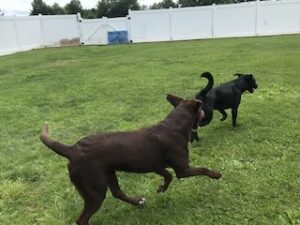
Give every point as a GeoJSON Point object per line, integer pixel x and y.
{"type": "Point", "coordinates": [194, 130]}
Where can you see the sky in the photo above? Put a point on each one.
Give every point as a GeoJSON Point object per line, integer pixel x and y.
{"type": "Point", "coordinates": [22, 7]}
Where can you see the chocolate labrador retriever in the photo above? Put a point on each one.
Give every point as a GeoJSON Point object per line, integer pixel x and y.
{"type": "Point", "coordinates": [224, 96]}
{"type": "Point", "coordinates": [94, 160]}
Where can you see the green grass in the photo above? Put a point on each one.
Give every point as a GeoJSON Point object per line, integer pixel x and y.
{"type": "Point", "coordinates": [84, 90]}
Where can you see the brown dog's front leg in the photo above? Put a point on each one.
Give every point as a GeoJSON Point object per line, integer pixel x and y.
{"type": "Point", "coordinates": [188, 172]}
{"type": "Point", "coordinates": [118, 193]}
{"type": "Point", "coordinates": [167, 180]}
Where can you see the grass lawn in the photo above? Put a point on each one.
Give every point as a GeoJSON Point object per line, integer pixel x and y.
{"type": "Point", "coordinates": [84, 90]}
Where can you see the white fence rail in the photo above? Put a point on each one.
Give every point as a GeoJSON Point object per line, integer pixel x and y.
{"type": "Point", "coordinates": [234, 20]}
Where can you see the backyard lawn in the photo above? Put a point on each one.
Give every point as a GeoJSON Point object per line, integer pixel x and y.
{"type": "Point", "coordinates": [85, 90]}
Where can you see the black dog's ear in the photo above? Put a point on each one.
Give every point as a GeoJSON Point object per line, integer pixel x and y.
{"type": "Point", "coordinates": [174, 100]}
{"type": "Point", "coordinates": [238, 74]}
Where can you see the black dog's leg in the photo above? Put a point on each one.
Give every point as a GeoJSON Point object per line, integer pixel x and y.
{"type": "Point", "coordinates": [224, 114]}
{"type": "Point", "coordinates": [167, 180]}
{"type": "Point", "coordinates": [234, 112]}
{"type": "Point", "coordinates": [194, 136]}
{"type": "Point", "coordinates": [118, 193]}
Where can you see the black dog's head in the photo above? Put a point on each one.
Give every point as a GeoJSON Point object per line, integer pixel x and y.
{"type": "Point", "coordinates": [249, 80]}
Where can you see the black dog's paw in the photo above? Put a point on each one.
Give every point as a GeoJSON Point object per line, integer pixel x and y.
{"type": "Point", "coordinates": [161, 189]}
{"type": "Point", "coordinates": [223, 118]}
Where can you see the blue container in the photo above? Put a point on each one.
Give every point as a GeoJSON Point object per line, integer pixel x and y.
{"type": "Point", "coordinates": [117, 37]}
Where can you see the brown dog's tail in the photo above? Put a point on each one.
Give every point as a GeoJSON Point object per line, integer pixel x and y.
{"type": "Point", "coordinates": [59, 148]}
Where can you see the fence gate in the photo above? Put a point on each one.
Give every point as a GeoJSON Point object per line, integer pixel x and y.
{"type": "Point", "coordinates": [95, 31]}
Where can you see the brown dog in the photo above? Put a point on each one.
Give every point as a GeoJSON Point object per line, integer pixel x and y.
{"type": "Point", "coordinates": [95, 159]}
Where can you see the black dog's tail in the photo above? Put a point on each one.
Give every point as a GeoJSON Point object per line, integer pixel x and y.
{"type": "Point", "coordinates": [59, 148]}
{"type": "Point", "coordinates": [201, 94]}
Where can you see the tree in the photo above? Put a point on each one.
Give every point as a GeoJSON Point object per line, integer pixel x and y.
{"type": "Point", "coordinates": [73, 7]}
{"type": "Point", "coordinates": [116, 8]}
{"type": "Point", "coordinates": [165, 4]}
{"type": "Point", "coordinates": [1, 13]}
{"type": "Point", "coordinates": [40, 7]}
{"type": "Point", "coordinates": [187, 3]}
{"type": "Point", "coordinates": [89, 13]}
{"type": "Point", "coordinates": [57, 10]}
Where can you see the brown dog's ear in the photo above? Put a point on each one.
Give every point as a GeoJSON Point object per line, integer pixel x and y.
{"type": "Point", "coordinates": [238, 74]}
{"type": "Point", "coordinates": [197, 105]}
{"type": "Point", "coordinates": [174, 100]}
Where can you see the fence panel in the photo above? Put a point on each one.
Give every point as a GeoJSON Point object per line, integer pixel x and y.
{"type": "Point", "coordinates": [56, 28]}
{"type": "Point", "coordinates": [235, 20]}
{"type": "Point", "coordinates": [29, 32]}
{"type": "Point", "coordinates": [8, 37]}
{"type": "Point", "coordinates": [199, 25]}
{"type": "Point", "coordinates": [282, 17]}
{"type": "Point", "coordinates": [150, 25]}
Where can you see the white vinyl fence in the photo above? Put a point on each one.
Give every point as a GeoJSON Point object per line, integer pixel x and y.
{"type": "Point", "coordinates": [24, 33]}
{"type": "Point", "coordinates": [234, 20]}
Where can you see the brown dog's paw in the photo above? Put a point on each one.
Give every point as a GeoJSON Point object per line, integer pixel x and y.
{"type": "Point", "coordinates": [142, 201]}
{"type": "Point", "coordinates": [215, 174]}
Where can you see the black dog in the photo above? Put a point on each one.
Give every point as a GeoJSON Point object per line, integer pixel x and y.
{"type": "Point", "coordinates": [225, 96]}
{"type": "Point", "coordinates": [94, 160]}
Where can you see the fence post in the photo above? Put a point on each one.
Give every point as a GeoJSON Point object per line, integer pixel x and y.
{"type": "Point", "coordinates": [79, 23]}
{"type": "Point", "coordinates": [170, 23]}
{"type": "Point", "coordinates": [256, 17]}
{"type": "Point", "coordinates": [17, 33]}
{"type": "Point", "coordinates": [105, 20]}
{"type": "Point", "coordinates": [129, 25]}
{"type": "Point", "coordinates": [213, 20]}
{"type": "Point", "coordinates": [43, 40]}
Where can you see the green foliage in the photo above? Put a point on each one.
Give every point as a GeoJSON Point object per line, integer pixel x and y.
{"type": "Point", "coordinates": [108, 8]}
{"type": "Point", "coordinates": [73, 7]}
{"type": "Point", "coordinates": [189, 3]}
{"type": "Point", "coordinates": [164, 4]}
{"type": "Point", "coordinates": [84, 90]}
{"type": "Point", "coordinates": [40, 7]}
{"type": "Point", "coordinates": [57, 9]}
{"type": "Point", "coordinates": [116, 8]}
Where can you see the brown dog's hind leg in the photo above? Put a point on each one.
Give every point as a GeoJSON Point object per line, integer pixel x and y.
{"type": "Point", "coordinates": [92, 202]}
{"type": "Point", "coordinates": [116, 191]}
{"type": "Point", "coordinates": [167, 180]}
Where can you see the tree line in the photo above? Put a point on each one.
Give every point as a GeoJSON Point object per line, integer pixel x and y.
{"type": "Point", "coordinates": [115, 8]}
